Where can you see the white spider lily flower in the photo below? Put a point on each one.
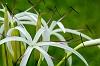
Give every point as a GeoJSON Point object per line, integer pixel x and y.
{"type": "Point", "coordinates": [20, 19]}
{"type": "Point", "coordinates": [61, 38]}
{"type": "Point", "coordinates": [30, 18]}
{"type": "Point", "coordinates": [37, 45]}
{"type": "Point", "coordinates": [51, 31]}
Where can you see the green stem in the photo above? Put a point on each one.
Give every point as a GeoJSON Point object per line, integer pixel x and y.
{"type": "Point", "coordinates": [4, 56]}
{"type": "Point", "coordinates": [69, 54]}
{"type": "Point", "coordinates": [94, 42]}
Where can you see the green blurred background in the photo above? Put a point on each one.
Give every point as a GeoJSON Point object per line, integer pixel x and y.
{"type": "Point", "coordinates": [89, 14]}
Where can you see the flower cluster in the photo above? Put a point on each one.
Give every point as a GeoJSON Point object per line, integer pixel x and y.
{"type": "Point", "coordinates": [17, 41]}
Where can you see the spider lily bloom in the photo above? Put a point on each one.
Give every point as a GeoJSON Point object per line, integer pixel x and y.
{"type": "Point", "coordinates": [11, 22]}
{"type": "Point", "coordinates": [30, 18]}
{"type": "Point", "coordinates": [51, 31]}
{"type": "Point", "coordinates": [37, 45]}
{"type": "Point", "coordinates": [18, 19]}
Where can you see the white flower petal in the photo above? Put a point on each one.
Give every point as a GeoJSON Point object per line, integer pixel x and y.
{"type": "Point", "coordinates": [28, 23]}
{"type": "Point", "coordinates": [9, 17]}
{"type": "Point", "coordinates": [23, 30]}
{"type": "Point", "coordinates": [2, 10]}
{"type": "Point", "coordinates": [2, 19]}
{"type": "Point", "coordinates": [26, 56]}
{"type": "Point", "coordinates": [14, 39]}
{"type": "Point", "coordinates": [63, 47]}
{"type": "Point", "coordinates": [23, 14]}
{"type": "Point", "coordinates": [10, 48]}
{"type": "Point", "coordinates": [53, 24]}
{"type": "Point", "coordinates": [61, 38]}
{"type": "Point", "coordinates": [21, 34]}
{"type": "Point", "coordinates": [25, 18]}
{"type": "Point", "coordinates": [46, 56]}
{"type": "Point", "coordinates": [2, 4]}
{"type": "Point", "coordinates": [61, 26]}
{"type": "Point", "coordinates": [38, 34]}
{"type": "Point", "coordinates": [46, 37]}
{"type": "Point", "coordinates": [72, 31]}
{"type": "Point", "coordinates": [92, 42]}
{"type": "Point", "coordinates": [1, 30]}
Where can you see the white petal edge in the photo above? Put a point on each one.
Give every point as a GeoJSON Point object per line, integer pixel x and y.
{"type": "Point", "coordinates": [1, 18]}
{"type": "Point", "coordinates": [53, 24]}
{"type": "Point", "coordinates": [37, 35]}
{"type": "Point", "coordinates": [1, 29]}
{"type": "Point", "coordinates": [63, 47]}
{"type": "Point", "coordinates": [72, 31]}
{"type": "Point", "coordinates": [23, 30]}
{"type": "Point", "coordinates": [61, 26]}
{"type": "Point", "coordinates": [7, 39]}
{"type": "Point", "coordinates": [61, 38]}
{"type": "Point", "coordinates": [26, 56]}
{"type": "Point", "coordinates": [46, 56]}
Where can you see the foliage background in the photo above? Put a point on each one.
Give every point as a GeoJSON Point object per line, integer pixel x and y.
{"type": "Point", "coordinates": [88, 15]}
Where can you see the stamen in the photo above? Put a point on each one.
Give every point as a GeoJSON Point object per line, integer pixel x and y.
{"type": "Point", "coordinates": [73, 41]}
{"type": "Point", "coordinates": [14, 16]}
{"type": "Point", "coordinates": [88, 28]}
{"type": "Point", "coordinates": [13, 6]}
{"type": "Point", "coordinates": [9, 10]}
{"type": "Point", "coordinates": [81, 29]}
{"type": "Point", "coordinates": [74, 9]}
{"type": "Point", "coordinates": [55, 41]}
{"type": "Point", "coordinates": [30, 2]}
{"type": "Point", "coordinates": [57, 11]}
{"type": "Point", "coordinates": [51, 15]}
{"type": "Point", "coordinates": [55, 58]}
{"type": "Point", "coordinates": [50, 9]}
{"type": "Point", "coordinates": [82, 40]}
{"type": "Point", "coordinates": [71, 37]}
{"type": "Point", "coordinates": [33, 4]}
{"type": "Point", "coordinates": [5, 35]}
{"type": "Point", "coordinates": [19, 59]}
{"type": "Point", "coordinates": [64, 16]}
{"type": "Point", "coordinates": [1, 4]}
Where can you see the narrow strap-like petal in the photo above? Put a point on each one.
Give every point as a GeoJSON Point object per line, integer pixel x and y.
{"type": "Point", "coordinates": [72, 31]}
{"type": "Point", "coordinates": [46, 56]}
{"type": "Point", "coordinates": [38, 34]}
{"type": "Point", "coordinates": [22, 30]}
{"type": "Point", "coordinates": [63, 47]}
{"type": "Point", "coordinates": [61, 26]}
{"type": "Point", "coordinates": [26, 56]}
{"type": "Point", "coordinates": [14, 39]}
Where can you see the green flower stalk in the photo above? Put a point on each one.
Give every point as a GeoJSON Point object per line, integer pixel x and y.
{"type": "Point", "coordinates": [37, 55]}
{"type": "Point", "coordinates": [4, 47]}
{"type": "Point", "coordinates": [11, 54]}
{"type": "Point", "coordinates": [6, 23]}
{"type": "Point", "coordinates": [94, 42]}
